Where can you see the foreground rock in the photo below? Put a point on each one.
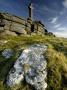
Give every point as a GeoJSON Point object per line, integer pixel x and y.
{"type": "Point", "coordinates": [31, 65]}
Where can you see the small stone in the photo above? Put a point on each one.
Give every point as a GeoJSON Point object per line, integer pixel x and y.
{"type": "Point", "coordinates": [7, 53]}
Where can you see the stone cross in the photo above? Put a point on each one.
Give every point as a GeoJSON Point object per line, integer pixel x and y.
{"type": "Point", "coordinates": [30, 7]}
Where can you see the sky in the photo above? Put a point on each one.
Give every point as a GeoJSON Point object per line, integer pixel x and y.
{"type": "Point", "coordinates": [52, 13]}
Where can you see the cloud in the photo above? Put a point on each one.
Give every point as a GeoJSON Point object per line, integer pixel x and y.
{"type": "Point", "coordinates": [44, 8]}
{"type": "Point", "coordinates": [57, 25]}
{"type": "Point", "coordinates": [61, 34]}
{"type": "Point", "coordinates": [64, 3]}
{"type": "Point", "coordinates": [62, 12]}
{"type": "Point", "coordinates": [54, 20]}
{"type": "Point", "coordinates": [62, 28]}
{"type": "Point", "coordinates": [59, 30]}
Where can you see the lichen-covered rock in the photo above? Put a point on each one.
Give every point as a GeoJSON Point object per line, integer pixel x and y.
{"type": "Point", "coordinates": [31, 65]}
{"type": "Point", "coordinates": [7, 53]}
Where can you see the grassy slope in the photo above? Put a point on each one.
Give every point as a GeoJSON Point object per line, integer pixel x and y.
{"type": "Point", "coordinates": [56, 56]}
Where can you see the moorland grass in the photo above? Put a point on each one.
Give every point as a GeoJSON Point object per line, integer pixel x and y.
{"type": "Point", "coordinates": [56, 57]}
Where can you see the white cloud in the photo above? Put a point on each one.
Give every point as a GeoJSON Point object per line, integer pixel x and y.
{"type": "Point", "coordinates": [62, 12]}
{"type": "Point", "coordinates": [44, 8]}
{"type": "Point", "coordinates": [64, 3]}
{"type": "Point", "coordinates": [61, 34]}
{"type": "Point", "coordinates": [62, 28]}
{"type": "Point", "coordinates": [54, 20]}
{"type": "Point", "coordinates": [57, 25]}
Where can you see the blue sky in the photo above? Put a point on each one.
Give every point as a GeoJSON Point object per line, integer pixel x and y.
{"type": "Point", "coordinates": [53, 13]}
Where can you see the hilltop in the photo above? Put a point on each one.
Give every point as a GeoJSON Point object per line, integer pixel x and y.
{"type": "Point", "coordinates": [56, 57]}
{"type": "Point", "coordinates": [15, 25]}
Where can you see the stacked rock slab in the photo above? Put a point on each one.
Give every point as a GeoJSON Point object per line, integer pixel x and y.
{"type": "Point", "coordinates": [19, 25]}
{"type": "Point", "coordinates": [13, 23]}
{"type": "Point", "coordinates": [30, 66]}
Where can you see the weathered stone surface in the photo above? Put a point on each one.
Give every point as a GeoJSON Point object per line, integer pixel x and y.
{"type": "Point", "coordinates": [7, 25]}
{"type": "Point", "coordinates": [7, 53]}
{"type": "Point", "coordinates": [7, 32]}
{"type": "Point", "coordinates": [31, 65]}
{"type": "Point", "coordinates": [13, 23]}
{"type": "Point", "coordinates": [20, 25]}
{"type": "Point", "coordinates": [13, 18]}
{"type": "Point", "coordinates": [19, 28]}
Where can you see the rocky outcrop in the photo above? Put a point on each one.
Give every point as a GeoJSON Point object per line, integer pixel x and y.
{"type": "Point", "coordinates": [19, 25]}
{"type": "Point", "coordinates": [31, 66]}
{"type": "Point", "coordinates": [12, 23]}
